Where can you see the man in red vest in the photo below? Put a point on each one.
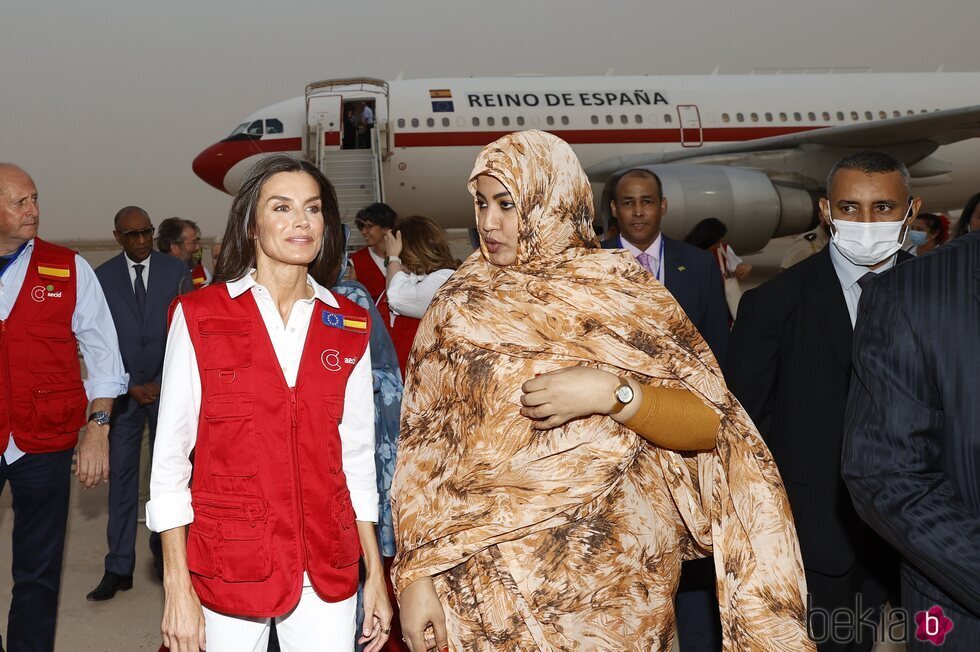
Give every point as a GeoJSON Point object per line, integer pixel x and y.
{"type": "Point", "coordinates": [50, 302]}
{"type": "Point", "coordinates": [182, 239]}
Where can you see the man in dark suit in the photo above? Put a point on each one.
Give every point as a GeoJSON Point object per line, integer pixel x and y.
{"type": "Point", "coordinates": [693, 278]}
{"type": "Point", "coordinates": [912, 436]}
{"type": "Point", "coordinates": [790, 366]}
{"type": "Point", "coordinates": [139, 285]}
{"type": "Point", "coordinates": [690, 274]}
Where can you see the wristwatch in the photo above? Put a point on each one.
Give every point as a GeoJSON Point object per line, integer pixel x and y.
{"type": "Point", "coordinates": [392, 259]}
{"type": "Point", "coordinates": [623, 395]}
{"type": "Point", "coordinates": [101, 417]}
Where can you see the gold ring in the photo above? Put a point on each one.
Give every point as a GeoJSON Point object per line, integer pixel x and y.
{"type": "Point", "coordinates": [386, 631]}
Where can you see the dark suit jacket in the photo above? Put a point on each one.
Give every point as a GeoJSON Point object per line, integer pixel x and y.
{"type": "Point", "coordinates": [693, 278]}
{"type": "Point", "coordinates": [789, 364]}
{"type": "Point", "coordinates": [142, 343]}
{"type": "Point", "coordinates": [912, 431]}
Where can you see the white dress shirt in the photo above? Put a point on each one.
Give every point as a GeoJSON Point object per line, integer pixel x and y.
{"type": "Point", "coordinates": [131, 265]}
{"type": "Point", "coordinates": [848, 274]}
{"type": "Point", "coordinates": [656, 260]}
{"type": "Point", "coordinates": [180, 406]}
{"type": "Point", "coordinates": [91, 322]}
{"type": "Point", "coordinates": [411, 294]}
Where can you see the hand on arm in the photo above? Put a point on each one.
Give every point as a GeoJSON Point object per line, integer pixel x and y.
{"type": "Point", "coordinates": [183, 619]}
{"type": "Point", "coordinates": [419, 608]}
{"type": "Point", "coordinates": [377, 608]}
{"type": "Point", "coordinates": [93, 449]}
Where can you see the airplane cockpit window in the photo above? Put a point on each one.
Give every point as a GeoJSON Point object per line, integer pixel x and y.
{"type": "Point", "coordinates": [273, 126]}
{"type": "Point", "coordinates": [255, 129]}
{"type": "Point", "coordinates": [240, 129]}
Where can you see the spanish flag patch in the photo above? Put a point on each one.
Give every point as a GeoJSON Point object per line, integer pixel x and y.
{"type": "Point", "coordinates": [54, 271]}
{"type": "Point", "coordinates": [336, 320]}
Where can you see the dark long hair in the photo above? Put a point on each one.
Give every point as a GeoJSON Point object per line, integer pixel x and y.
{"type": "Point", "coordinates": [707, 233]}
{"type": "Point", "coordinates": [971, 205]}
{"type": "Point", "coordinates": [238, 244]}
{"type": "Point", "coordinates": [424, 246]}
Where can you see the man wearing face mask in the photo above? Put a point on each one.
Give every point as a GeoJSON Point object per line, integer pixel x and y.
{"type": "Point", "coordinates": [789, 364]}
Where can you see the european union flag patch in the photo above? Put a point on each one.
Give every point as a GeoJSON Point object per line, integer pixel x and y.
{"type": "Point", "coordinates": [336, 320]}
{"type": "Point", "coordinates": [443, 106]}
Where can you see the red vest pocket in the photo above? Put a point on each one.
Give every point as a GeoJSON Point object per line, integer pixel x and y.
{"type": "Point", "coordinates": [58, 410]}
{"type": "Point", "coordinates": [227, 342]}
{"type": "Point", "coordinates": [241, 550]}
{"type": "Point", "coordinates": [347, 546]}
{"type": "Point", "coordinates": [230, 434]}
{"type": "Point", "coordinates": [50, 344]}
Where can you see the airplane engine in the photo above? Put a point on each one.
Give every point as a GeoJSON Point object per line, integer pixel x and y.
{"type": "Point", "coordinates": [752, 207]}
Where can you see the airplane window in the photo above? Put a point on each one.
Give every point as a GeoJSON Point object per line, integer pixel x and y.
{"type": "Point", "coordinates": [564, 119]}
{"type": "Point", "coordinates": [623, 119]}
{"type": "Point", "coordinates": [609, 119]}
{"type": "Point", "coordinates": [255, 129]}
{"type": "Point", "coordinates": [812, 116]}
{"type": "Point", "coordinates": [923, 111]}
{"type": "Point", "coordinates": [273, 126]}
{"type": "Point", "coordinates": [401, 123]}
{"type": "Point", "coordinates": [740, 117]}
{"type": "Point", "coordinates": [867, 115]}
{"type": "Point", "coordinates": [755, 117]}
{"type": "Point", "coordinates": [430, 122]}
{"type": "Point", "coordinates": [550, 120]}
{"type": "Point", "coordinates": [910, 112]}
{"type": "Point", "coordinates": [639, 119]}
{"type": "Point", "coordinates": [840, 115]}
{"type": "Point", "coordinates": [826, 116]}
{"type": "Point", "coordinates": [240, 129]}
{"type": "Point", "coordinates": [896, 114]}
{"type": "Point", "coordinates": [725, 117]}
{"type": "Point", "coordinates": [445, 122]}
{"type": "Point", "coordinates": [854, 115]}
{"type": "Point", "coordinates": [520, 121]}
{"type": "Point", "coordinates": [797, 116]}
{"type": "Point", "coordinates": [505, 121]}
{"type": "Point", "coordinates": [490, 121]}
{"type": "Point", "coordinates": [782, 117]}
{"type": "Point", "coordinates": [476, 122]}
{"type": "Point", "coordinates": [882, 115]}
{"type": "Point", "coordinates": [768, 117]}
{"type": "Point", "coordinates": [668, 118]}
{"type": "Point", "coordinates": [415, 122]}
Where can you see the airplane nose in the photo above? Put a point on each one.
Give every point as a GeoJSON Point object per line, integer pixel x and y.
{"type": "Point", "coordinates": [212, 165]}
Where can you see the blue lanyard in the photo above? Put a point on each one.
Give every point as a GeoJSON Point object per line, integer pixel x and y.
{"type": "Point", "coordinates": [660, 261]}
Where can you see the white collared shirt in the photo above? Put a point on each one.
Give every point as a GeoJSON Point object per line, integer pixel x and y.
{"type": "Point", "coordinates": [131, 265]}
{"type": "Point", "coordinates": [653, 251]}
{"type": "Point", "coordinates": [180, 406]}
{"type": "Point", "coordinates": [411, 294]}
{"type": "Point", "coordinates": [848, 274]}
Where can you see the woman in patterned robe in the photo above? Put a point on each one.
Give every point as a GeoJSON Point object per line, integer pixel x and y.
{"type": "Point", "coordinates": [517, 533]}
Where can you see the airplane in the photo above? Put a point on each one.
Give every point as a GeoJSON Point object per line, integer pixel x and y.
{"type": "Point", "coordinates": [751, 150]}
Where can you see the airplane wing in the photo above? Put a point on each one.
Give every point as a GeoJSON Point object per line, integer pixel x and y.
{"type": "Point", "coordinates": [909, 138]}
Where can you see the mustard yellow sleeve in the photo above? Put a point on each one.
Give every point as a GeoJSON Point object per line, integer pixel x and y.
{"type": "Point", "coordinates": [674, 418]}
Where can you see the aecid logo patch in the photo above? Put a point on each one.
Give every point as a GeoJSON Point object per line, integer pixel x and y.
{"type": "Point", "coordinates": [39, 293]}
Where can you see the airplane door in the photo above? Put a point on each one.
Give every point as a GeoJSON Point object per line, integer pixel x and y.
{"type": "Point", "coordinates": [325, 115]}
{"type": "Point", "coordinates": [690, 123]}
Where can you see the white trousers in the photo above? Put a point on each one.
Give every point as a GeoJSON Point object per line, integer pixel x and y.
{"type": "Point", "coordinates": [312, 626]}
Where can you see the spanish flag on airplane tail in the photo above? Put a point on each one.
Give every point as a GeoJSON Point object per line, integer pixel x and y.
{"type": "Point", "coordinates": [442, 100]}
{"type": "Point", "coordinates": [53, 271]}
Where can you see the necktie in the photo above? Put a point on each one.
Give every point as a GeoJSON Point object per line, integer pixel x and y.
{"type": "Point", "coordinates": [646, 262]}
{"type": "Point", "coordinates": [864, 280]}
{"type": "Point", "coordinates": [140, 289]}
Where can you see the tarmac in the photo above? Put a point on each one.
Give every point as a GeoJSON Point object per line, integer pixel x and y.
{"type": "Point", "coordinates": [131, 621]}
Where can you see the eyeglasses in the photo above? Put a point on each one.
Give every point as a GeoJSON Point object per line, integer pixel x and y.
{"type": "Point", "coordinates": [140, 233]}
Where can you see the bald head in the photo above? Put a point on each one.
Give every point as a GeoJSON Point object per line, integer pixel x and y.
{"type": "Point", "coordinates": [19, 213]}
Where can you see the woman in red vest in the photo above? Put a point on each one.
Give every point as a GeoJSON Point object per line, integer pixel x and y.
{"type": "Point", "coordinates": [267, 384]}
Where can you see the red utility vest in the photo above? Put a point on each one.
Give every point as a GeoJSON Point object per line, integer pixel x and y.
{"type": "Point", "coordinates": [403, 330]}
{"type": "Point", "coordinates": [269, 493]}
{"type": "Point", "coordinates": [42, 399]}
{"type": "Point", "coordinates": [198, 276]}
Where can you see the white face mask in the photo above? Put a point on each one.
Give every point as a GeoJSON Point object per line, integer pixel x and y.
{"type": "Point", "coordinates": [868, 243]}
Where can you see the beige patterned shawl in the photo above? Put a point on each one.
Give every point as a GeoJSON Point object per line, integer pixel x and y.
{"type": "Point", "coordinates": [473, 476]}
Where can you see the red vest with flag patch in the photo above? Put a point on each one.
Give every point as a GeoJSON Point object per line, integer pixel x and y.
{"type": "Point", "coordinates": [42, 400]}
{"type": "Point", "coordinates": [198, 276]}
{"type": "Point", "coordinates": [269, 493]}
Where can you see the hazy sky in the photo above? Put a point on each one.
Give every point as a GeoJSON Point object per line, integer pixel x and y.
{"type": "Point", "coordinates": [107, 102]}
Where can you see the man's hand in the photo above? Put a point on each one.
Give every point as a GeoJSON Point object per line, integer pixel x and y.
{"type": "Point", "coordinates": [93, 455]}
{"type": "Point", "coordinates": [146, 393]}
